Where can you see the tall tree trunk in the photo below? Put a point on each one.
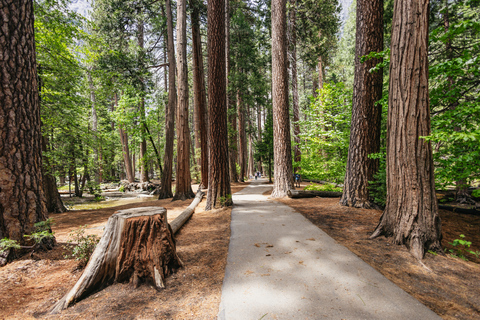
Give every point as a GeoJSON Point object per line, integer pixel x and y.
{"type": "Point", "coordinates": [166, 185]}
{"type": "Point", "coordinates": [94, 126]}
{"type": "Point", "coordinates": [22, 200]}
{"type": "Point", "coordinates": [283, 173]}
{"type": "Point", "coordinates": [259, 137]}
{"type": "Point", "coordinates": [232, 134]}
{"type": "Point", "coordinates": [125, 150]}
{"type": "Point", "coordinates": [411, 213]}
{"type": "Point", "coordinates": [293, 66]}
{"type": "Point", "coordinates": [461, 185]}
{"type": "Point", "coordinates": [219, 192]}
{"type": "Point", "coordinates": [242, 141]}
{"type": "Point", "coordinates": [251, 167]}
{"type": "Point", "coordinates": [143, 143]}
{"type": "Point", "coordinates": [200, 99]}
{"type": "Point", "coordinates": [183, 182]}
{"type": "Point", "coordinates": [366, 116]}
{"type": "Point", "coordinates": [53, 200]}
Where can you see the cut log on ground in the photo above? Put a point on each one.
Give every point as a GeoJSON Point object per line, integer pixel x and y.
{"type": "Point", "coordinates": [137, 245]}
{"type": "Point", "coordinates": [313, 194]}
{"type": "Point", "coordinates": [187, 213]}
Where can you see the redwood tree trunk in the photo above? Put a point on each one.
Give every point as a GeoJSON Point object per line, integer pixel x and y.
{"type": "Point", "coordinates": [53, 200]}
{"type": "Point", "coordinates": [200, 99]}
{"type": "Point", "coordinates": [125, 150]}
{"type": "Point", "coordinates": [293, 66]}
{"type": "Point", "coordinates": [22, 199]}
{"type": "Point", "coordinates": [166, 184]}
{"type": "Point", "coordinates": [411, 213]}
{"type": "Point", "coordinates": [366, 116]}
{"type": "Point", "coordinates": [242, 141]}
{"type": "Point", "coordinates": [219, 180]}
{"type": "Point", "coordinates": [232, 134]}
{"type": "Point", "coordinates": [283, 173]}
{"type": "Point", "coordinates": [143, 143]}
{"type": "Point", "coordinates": [183, 181]}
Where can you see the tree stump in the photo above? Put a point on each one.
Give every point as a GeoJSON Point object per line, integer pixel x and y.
{"type": "Point", "coordinates": [137, 246]}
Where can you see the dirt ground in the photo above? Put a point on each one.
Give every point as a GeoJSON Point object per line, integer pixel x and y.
{"type": "Point", "coordinates": [32, 285]}
{"type": "Point", "coordinates": [451, 287]}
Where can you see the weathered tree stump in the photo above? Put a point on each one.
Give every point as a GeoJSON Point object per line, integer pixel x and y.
{"type": "Point", "coordinates": [313, 194]}
{"type": "Point", "coordinates": [137, 246]}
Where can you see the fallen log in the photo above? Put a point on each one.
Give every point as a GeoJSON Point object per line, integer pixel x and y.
{"type": "Point", "coordinates": [137, 246]}
{"type": "Point", "coordinates": [187, 213]}
{"type": "Point", "coordinates": [313, 194]}
{"type": "Point", "coordinates": [473, 211]}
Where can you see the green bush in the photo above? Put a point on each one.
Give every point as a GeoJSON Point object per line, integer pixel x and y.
{"type": "Point", "coordinates": [81, 246]}
{"type": "Point", "coordinates": [323, 187]}
{"type": "Point", "coordinates": [378, 187]}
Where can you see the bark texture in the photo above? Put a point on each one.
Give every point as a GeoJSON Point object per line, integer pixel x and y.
{"type": "Point", "coordinates": [137, 246]}
{"type": "Point", "coordinates": [53, 200]}
{"type": "Point", "coordinates": [283, 173]}
{"type": "Point", "coordinates": [411, 213]}
{"type": "Point", "coordinates": [366, 116]}
{"type": "Point", "coordinates": [22, 199]}
{"type": "Point", "coordinates": [166, 184]}
{"type": "Point", "coordinates": [183, 180]}
{"type": "Point", "coordinates": [143, 143]}
{"type": "Point", "coordinates": [292, 57]}
{"type": "Point", "coordinates": [200, 99]}
{"type": "Point", "coordinates": [219, 191]}
{"type": "Point", "coordinates": [242, 137]}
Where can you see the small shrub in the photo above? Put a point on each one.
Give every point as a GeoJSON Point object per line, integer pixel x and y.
{"type": "Point", "coordinates": [43, 235]}
{"type": "Point", "coordinates": [322, 187]}
{"type": "Point", "coordinates": [7, 244]}
{"type": "Point", "coordinates": [227, 200]}
{"type": "Point", "coordinates": [81, 246]}
{"type": "Point", "coordinates": [122, 188]}
{"type": "Point", "coordinates": [461, 248]}
{"type": "Point", "coordinates": [476, 193]}
{"type": "Point", "coordinates": [378, 187]}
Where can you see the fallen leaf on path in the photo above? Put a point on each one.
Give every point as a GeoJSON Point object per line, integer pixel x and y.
{"type": "Point", "coordinates": [311, 239]}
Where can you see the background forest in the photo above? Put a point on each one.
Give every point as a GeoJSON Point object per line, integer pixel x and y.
{"type": "Point", "coordinates": [104, 89]}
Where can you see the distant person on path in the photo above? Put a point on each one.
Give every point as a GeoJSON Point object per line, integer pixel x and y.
{"type": "Point", "coordinates": [298, 178]}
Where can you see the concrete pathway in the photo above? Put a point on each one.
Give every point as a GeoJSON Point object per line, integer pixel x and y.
{"type": "Point", "coordinates": [281, 266]}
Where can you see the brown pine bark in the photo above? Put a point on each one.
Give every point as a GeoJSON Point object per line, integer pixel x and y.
{"type": "Point", "coordinates": [219, 191]}
{"type": "Point", "coordinates": [183, 180]}
{"type": "Point", "coordinates": [242, 137]}
{"type": "Point", "coordinates": [22, 199]}
{"type": "Point", "coordinates": [232, 134]}
{"type": "Point", "coordinates": [283, 173]}
{"type": "Point", "coordinates": [411, 213]}
{"type": "Point", "coordinates": [52, 197]}
{"type": "Point", "coordinates": [200, 99]}
{"type": "Point", "coordinates": [143, 143]}
{"type": "Point", "coordinates": [366, 116]}
{"type": "Point", "coordinates": [293, 66]}
{"type": "Point", "coordinates": [125, 149]}
{"type": "Point", "coordinates": [166, 184]}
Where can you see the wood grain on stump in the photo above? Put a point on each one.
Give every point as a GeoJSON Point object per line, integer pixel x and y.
{"type": "Point", "coordinates": [137, 246]}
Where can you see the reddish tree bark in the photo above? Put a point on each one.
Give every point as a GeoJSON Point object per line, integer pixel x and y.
{"type": "Point", "coordinates": [183, 180]}
{"type": "Point", "coordinates": [219, 180]}
{"type": "Point", "coordinates": [366, 116]}
{"type": "Point", "coordinates": [283, 173]}
{"type": "Point", "coordinates": [166, 184]}
{"type": "Point", "coordinates": [411, 213]}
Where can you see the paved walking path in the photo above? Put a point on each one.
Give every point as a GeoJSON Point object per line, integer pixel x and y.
{"type": "Point", "coordinates": [281, 266]}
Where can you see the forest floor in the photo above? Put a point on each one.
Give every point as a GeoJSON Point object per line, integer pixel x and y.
{"type": "Point", "coordinates": [30, 286]}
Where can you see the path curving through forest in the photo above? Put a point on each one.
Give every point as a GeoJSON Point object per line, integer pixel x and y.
{"type": "Point", "coordinates": [281, 266]}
